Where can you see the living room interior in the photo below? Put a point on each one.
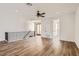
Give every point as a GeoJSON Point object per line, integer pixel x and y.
{"type": "Point", "coordinates": [39, 29]}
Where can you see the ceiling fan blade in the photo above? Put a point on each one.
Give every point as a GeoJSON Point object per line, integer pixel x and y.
{"type": "Point", "coordinates": [43, 13]}
{"type": "Point", "coordinates": [42, 16]}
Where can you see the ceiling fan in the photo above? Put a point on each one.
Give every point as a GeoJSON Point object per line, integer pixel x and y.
{"type": "Point", "coordinates": [40, 14]}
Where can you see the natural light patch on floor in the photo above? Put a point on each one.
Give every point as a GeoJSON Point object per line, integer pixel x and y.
{"type": "Point", "coordinates": [35, 42]}
{"type": "Point", "coordinates": [56, 44]}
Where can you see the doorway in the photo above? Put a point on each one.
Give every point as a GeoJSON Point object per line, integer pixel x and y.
{"type": "Point", "coordinates": [56, 29]}
{"type": "Point", "coordinates": [38, 29]}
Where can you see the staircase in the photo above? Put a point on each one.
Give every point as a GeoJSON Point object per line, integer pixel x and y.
{"type": "Point", "coordinates": [29, 34]}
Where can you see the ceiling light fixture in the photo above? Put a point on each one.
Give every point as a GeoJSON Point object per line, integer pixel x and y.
{"type": "Point", "coordinates": [29, 4]}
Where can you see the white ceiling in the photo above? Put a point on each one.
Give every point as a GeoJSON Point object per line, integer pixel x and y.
{"type": "Point", "coordinates": [48, 8]}
{"type": "Point", "coordinates": [57, 7]}
{"type": "Point", "coordinates": [52, 7]}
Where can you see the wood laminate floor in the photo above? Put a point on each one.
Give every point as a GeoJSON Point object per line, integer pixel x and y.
{"type": "Point", "coordinates": [36, 46]}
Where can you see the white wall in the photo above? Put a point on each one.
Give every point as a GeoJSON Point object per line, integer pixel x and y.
{"type": "Point", "coordinates": [66, 27]}
{"type": "Point", "coordinates": [77, 28]}
{"type": "Point", "coordinates": [14, 18]}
